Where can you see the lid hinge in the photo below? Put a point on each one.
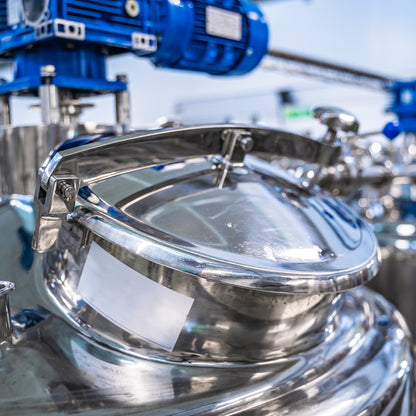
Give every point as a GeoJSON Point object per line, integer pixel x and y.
{"type": "Point", "coordinates": [54, 202]}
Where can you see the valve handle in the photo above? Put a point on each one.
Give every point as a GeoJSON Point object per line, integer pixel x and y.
{"type": "Point", "coordinates": [336, 119]}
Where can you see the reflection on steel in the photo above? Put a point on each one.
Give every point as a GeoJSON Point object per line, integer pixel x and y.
{"type": "Point", "coordinates": [241, 350]}
{"type": "Point", "coordinates": [377, 178]}
{"type": "Point", "coordinates": [123, 106]}
{"type": "Point", "coordinates": [275, 322]}
{"type": "Point", "coordinates": [5, 325]}
{"type": "Point", "coordinates": [289, 62]}
{"type": "Point", "coordinates": [140, 151]}
{"type": "Point", "coordinates": [23, 149]}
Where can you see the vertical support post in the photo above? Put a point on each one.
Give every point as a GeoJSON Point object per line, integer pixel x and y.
{"type": "Point", "coordinates": [123, 106]}
{"type": "Point", "coordinates": [49, 97]}
{"type": "Point", "coordinates": [5, 110]}
{"type": "Point", "coordinates": [5, 320]}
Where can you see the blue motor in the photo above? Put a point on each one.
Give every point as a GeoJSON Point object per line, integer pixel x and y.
{"type": "Point", "coordinates": [220, 37]}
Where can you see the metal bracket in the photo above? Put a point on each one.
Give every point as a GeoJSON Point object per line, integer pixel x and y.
{"type": "Point", "coordinates": [54, 203]}
{"type": "Point", "coordinates": [237, 143]}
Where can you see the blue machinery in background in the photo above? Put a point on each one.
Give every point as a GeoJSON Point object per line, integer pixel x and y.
{"type": "Point", "coordinates": [60, 47]}
{"type": "Point", "coordinates": [404, 106]}
{"type": "Point", "coordinates": [219, 37]}
{"type": "Point", "coordinates": [403, 94]}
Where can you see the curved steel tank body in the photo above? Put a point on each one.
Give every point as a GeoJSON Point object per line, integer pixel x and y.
{"type": "Point", "coordinates": [396, 277]}
{"type": "Point", "coordinates": [360, 364]}
{"type": "Point", "coordinates": [277, 324]}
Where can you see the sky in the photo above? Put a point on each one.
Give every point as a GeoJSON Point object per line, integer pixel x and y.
{"type": "Point", "coordinates": [375, 35]}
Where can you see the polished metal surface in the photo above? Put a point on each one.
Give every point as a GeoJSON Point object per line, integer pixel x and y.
{"type": "Point", "coordinates": [83, 166]}
{"type": "Point", "coordinates": [266, 263]}
{"type": "Point", "coordinates": [264, 232]}
{"type": "Point", "coordinates": [49, 97]}
{"type": "Point", "coordinates": [357, 361]}
{"type": "Point", "coordinates": [122, 98]}
{"type": "Point", "coordinates": [377, 179]}
{"type": "Point", "coordinates": [396, 279]}
{"type": "Point", "coordinates": [336, 119]}
{"type": "Point", "coordinates": [5, 109]}
{"type": "Point", "coordinates": [23, 150]}
{"type": "Point", "coordinates": [5, 324]}
{"type": "Point", "coordinates": [240, 241]}
{"type": "Point", "coordinates": [361, 365]}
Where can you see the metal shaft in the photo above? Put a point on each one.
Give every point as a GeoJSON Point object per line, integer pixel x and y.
{"type": "Point", "coordinates": [123, 106]}
{"type": "Point", "coordinates": [290, 62]}
{"type": "Point", "coordinates": [49, 97]}
{"type": "Point", "coordinates": [5, 110]}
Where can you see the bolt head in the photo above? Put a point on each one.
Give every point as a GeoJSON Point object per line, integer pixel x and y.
{"type": "Point", "coordinates": [47, 71]}
{"type": "Point", "coordinates": [247, 144]}
{"type": "Point", "coordinates": [132, 8]}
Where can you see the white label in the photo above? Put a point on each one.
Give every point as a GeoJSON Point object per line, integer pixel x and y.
{"type": "Point", "coordinates": [132, 301]}
{"type": "Point", "coordinates": [13, 17]}
{"type": "Point", "coordinates": [223, 23]}
{"type": "Point", "coordinates": [144, 42]}
{"type": "Point", "coordinates": [68, 29]}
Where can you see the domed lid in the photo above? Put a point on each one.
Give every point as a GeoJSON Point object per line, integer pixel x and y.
{"type": "Point", "coordinates": [240, 222]}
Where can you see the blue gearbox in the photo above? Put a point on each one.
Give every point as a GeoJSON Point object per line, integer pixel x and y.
{"type": "Point", "coordinates": [219, 37]}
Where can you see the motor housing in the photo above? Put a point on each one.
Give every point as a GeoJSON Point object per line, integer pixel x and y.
{"type": "Point", "coordinates": [219, 37]}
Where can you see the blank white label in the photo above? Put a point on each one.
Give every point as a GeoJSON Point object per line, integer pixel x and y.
{"type": "Point", "coordinates": [223, 23]}
{"type": "Point", "coordinates": [132, 301]}
{"type": "Point", "coordinates": [13, 12]}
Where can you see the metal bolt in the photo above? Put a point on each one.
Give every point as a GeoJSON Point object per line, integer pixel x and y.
{"type": "Point", "coordinates": [66, 191]}
{"type": "Point", "coordinates": [47, 71]}
{"type": "Point", "coordinates": [132, 8]}
{"type": "Point", "coordinates": [247, 144]}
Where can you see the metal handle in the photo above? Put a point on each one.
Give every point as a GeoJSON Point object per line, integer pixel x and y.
{"type": "Point", "coordinates": [60, 179]}
{"type": "Point", "coordinates": [336, 119]}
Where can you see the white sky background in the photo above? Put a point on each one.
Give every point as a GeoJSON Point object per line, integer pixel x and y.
{"type": "Point", "coordinates": [377, 35]}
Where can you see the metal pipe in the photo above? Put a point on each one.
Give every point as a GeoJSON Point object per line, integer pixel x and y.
{"type": "Point", "coordinates": [326, 70]}
{"type": "Point", "coordinates": [49, 97]}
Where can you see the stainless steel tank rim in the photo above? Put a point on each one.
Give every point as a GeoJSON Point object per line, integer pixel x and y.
{"type": "Point", "coordinates": [232, 274]}
{"type": "Point", "coordinates": [85, 166]}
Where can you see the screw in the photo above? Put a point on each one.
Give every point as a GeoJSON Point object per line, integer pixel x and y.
{"type": "Point", "coordinates": [66, 191]}
{"type": "Point", "coordinates": [132, 8]}
{"type": "Point", "coordinates": [247, 144]}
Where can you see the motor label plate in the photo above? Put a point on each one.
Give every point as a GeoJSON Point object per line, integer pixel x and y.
{"type": "Point", "coordinates": [223, 23]}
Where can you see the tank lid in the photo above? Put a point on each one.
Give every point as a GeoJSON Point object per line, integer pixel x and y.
{"type": "Point", "coordinates": [258, 230]}
{"type": "Point", "coordinates": [241, 222]}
